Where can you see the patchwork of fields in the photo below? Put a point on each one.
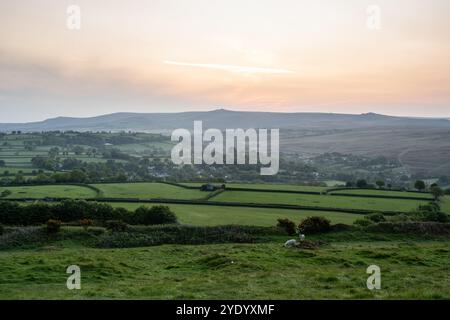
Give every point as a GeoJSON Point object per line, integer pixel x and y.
{"type": "Point", "coordinates": [264, 269]}
{"type": "Point", "coordinates": [268, 195]}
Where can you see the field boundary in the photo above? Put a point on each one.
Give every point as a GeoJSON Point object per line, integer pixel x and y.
{"type": "Point", "coordinates": [379, 196]}
{"type": "Point", "coordinates": [213, 203]}
{"type": "Point", "coordinates": [373, 189]}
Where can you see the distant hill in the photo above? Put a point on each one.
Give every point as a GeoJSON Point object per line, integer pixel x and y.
{"type": "Point", "coordinates": [221, 119]}
{"type": "Point", "coordinates": [421, 145]}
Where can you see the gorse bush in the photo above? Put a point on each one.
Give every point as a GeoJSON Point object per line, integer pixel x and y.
{"type": "Point", "coordinates": [12, 213]}
{"type": "Point", "coordinates": [376, 217]}
{"type": "Point", "coordinates": [287, 226]}
{"type": "Point", "coordinates": [314, 225]}
{"type": "Point", "coordinates": [23, 236]}
{"type": "Point", "coordinates": [416, 228]}
{"type": "Point", "coordinates": [363, 222]}
{"type": "Point", "coordinates": [139, 236]}
{"type": "Point", "coordinates": [86, 223]}
{"type": "Point", "coordinates": [116, 226]}
{"type": "Point", "coordinates": [53, 226]}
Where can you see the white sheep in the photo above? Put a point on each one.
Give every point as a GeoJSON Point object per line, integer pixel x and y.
{"type": "Point", "coordinates": [290, 243]}
{"type": "Point", "coordinates": [293, 242]}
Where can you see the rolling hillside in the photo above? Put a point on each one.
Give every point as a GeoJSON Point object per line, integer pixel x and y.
{"type": "Point", "coordinates": [422, 145]}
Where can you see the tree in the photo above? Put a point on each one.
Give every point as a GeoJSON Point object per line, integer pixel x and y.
{"type": "Point", "coordinates": [77, 176]}
{"type": "Point", "coordinates": [154, 215]}
{"type": "Point", "coordinates": [361, 183]}
{"type": "Point", "coordinates": [78, 150]}
{"type": "Point", "coordinates": [53, 152]}
{"type": "Point", "coordinates": [380, 183]}
{"type": "Point", "coordinates": [437, 192]}
{"type": "Point", "coordinates": [19, 178]}
{"type": "Point", "coordinates": [420, 185]}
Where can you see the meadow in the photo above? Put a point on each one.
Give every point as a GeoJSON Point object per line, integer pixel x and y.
{"type": "Point", "coordinates": [319, 200]}
{"type": "Point", "coordinates": [262, 186]}
{"type": "Point", "coordinates": [148, 190]}
{"type": "Point", "coordinates": [56, 191]}
{"type": "Point", "coordinates": [410, 270]}
{"type": "Point", "coordinates": [217, 215]}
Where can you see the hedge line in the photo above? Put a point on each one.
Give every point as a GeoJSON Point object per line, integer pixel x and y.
{"type": "Point", "coordinates": [139, 236]}
{"type": "Point", "coordinates": [373, 189]}
{"type": "Point", "coordinates": [379, 196]}
{"type": "Point", "coordinates": [13, 213]}
{"type": "Point", "coordinates": [183, 234]}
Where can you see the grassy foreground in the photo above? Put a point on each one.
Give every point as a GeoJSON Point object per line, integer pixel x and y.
{"type": "Point", "coordinates": [409, 270]}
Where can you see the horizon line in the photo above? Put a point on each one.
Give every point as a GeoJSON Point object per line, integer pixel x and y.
{"type": "Point", "coordinates": [231, 110]}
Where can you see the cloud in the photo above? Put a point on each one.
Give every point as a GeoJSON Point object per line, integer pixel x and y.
{"type": "Point", "coordinates": [230, 68]}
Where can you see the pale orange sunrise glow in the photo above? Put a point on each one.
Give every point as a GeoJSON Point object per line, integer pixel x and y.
{"type": "Point", "coordinates": [285, 55]}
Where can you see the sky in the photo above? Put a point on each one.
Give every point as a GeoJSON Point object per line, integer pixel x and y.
{"type": "Point", "coordinates": [258, 55]}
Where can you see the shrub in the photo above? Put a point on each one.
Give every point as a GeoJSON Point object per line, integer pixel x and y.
{"type": "Point", "coordinates": [417, 228]}
{"type": "Point", "coordinates": [287, 226]}
{"type": "Point", "coordinates": [116, 226]}
{"type": "Point", "coordinates": [363, 222]}
{"type": "Point", "coordinates": [86, 223]}
{"type": "Point", "coordinates": [430, 212]}
{"type": "Point", "coordinates": [5, 193]}
{"type": "Point", "coordinates": [53, 226]}
{"type": "Point", "coordinates": [138, 236]}
{"type": "Point", "coordinates": [338, 227]}
{"type": "Point", "coordinates": [361, 183]}
{"type": "Point", "coordinates": [22, 236]}
{"type": "Point", "coordinates": [376, 217]}
{"type": "Point", "coordinates": [434, 216]}
{"type": "Point", "coordinates": [154, 215]}
{"type": "Point", "coordinates": [314, 225]}
{"type": "Point", "coordinates": [437, 192]}
{"type": "Point", "coordinates": [402, 217]}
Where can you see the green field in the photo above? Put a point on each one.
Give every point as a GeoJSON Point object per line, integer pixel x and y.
{"type": "Point", "coordinates": [148, 190]}
{"type": "Point", "coordinates": [261, 186]}
{"type": "Point", "coordinates": [229, 271]}
{"type": "Point", "coordinates": [445, 204]}
{"type": "Point", "coordinates": [319, 200]}
{"type": "Point", "coordinates": [217, 215]}
{"type": "Point", "coordinates": [56, 191]}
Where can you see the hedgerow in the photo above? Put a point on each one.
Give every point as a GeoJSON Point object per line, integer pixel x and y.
{"type": "Point", "coordinates": [12, 213]}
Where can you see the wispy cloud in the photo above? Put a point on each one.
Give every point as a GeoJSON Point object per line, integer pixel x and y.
{"type": "Point", "coordinates": [230, 68]}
